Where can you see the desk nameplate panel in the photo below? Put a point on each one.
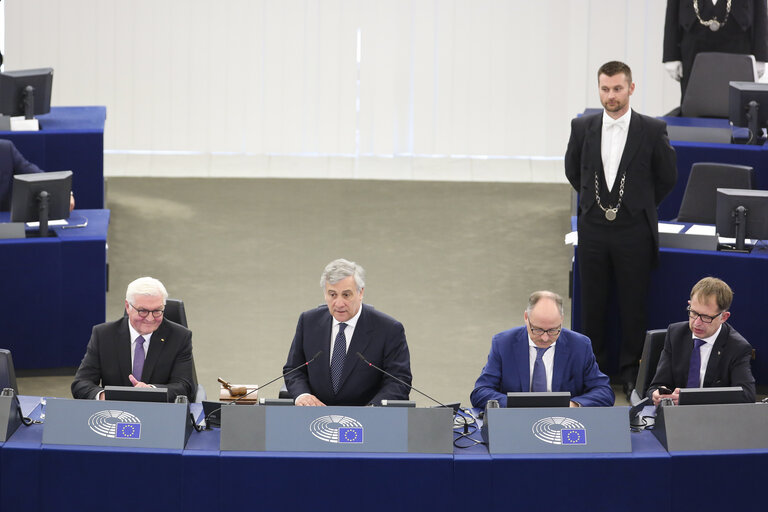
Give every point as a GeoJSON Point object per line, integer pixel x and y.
{"type": "Point", "coordinates": [712, 427]}
{"type": "Point", "coordinates": [117, 424]}
{"type": "Point", "coordinates": [558, 430]}
{"type": "Point", "coordinates": [337, 429]}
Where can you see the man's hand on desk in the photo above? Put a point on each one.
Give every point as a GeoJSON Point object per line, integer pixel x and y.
{"type": "Point", "coordinates": [307, 399]}
{"type": "Point", "coordinates": [675, 396]}
{"type": "Point", "coordinates": [137, 383]}
{"type": "Point", "coordinates": [71, 202]}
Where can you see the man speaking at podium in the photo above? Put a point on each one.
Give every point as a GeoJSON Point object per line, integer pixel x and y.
{"type": "Point", "coordinates": [141, 349]}
{"type": "Point", "coordinates": [342, 329]}
{"type": "Point", "coordinates": [705, 351]}
{"type": "Point", "coordinates": [542, 356]}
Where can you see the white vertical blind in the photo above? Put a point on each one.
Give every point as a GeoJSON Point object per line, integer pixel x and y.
{"type": "Point", "coordinates": [266, 77]}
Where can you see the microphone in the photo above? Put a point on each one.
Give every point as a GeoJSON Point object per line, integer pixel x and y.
{"type": "Point", "coordinates": [302, 365]}
{"type": "Point", "coordinates": [404, 383]}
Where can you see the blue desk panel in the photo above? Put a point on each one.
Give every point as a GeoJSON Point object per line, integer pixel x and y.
{"type": "Point", "coordinates": [70, 138]}
{"type": "Point", "coordinates": [54, 292]}
{"type": "Point", "coordinates": [200, 477]}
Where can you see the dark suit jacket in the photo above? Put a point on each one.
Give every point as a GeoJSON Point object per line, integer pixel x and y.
{"type": "Point", "coordinates": [574, 370]}
{"type": "Point", "coordinates": [745, 15]}
{"type": "Point", "coordinates": [728, 363]}
{"type": "Point", "coordinates": [378, 337]}
{"type": "Point", "coordinates": [107, 360]}
{"type": "Point", "coordinates": [11, 162]}
{"type": "Point", "coordinates": [648, 158]}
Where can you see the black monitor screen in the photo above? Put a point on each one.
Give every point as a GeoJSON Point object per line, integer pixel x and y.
{"type": "Point", "coordinates": [748, 107]}
{"type": "Point", "coordinates": [539, 399]}
{"type": "Point", "coordinates": [16, 97]}
{"type": "Point", "coordinates": [27, 197]}
{"type": "Point", "coordinates": [131, 394]}
{"type": "Point", "coordinates": [705, 396]}
{"type": "Point", "coordinates": [7, 372]}
{"type": "Point", "coordinates": [747, 207]}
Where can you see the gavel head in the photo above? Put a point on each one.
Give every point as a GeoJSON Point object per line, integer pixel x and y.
{"type": "Point", "coordinates": [237, 390]}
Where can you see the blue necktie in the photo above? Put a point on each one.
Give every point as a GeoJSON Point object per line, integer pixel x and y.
{"type": "Point", "coordinates": [339, 355]}
{"type": "Point", "coordinates": [539, 382]}
{"type": "Point", "coordinates": [138, 358]}
{"type": "Point", "coordinates": [695, 368]}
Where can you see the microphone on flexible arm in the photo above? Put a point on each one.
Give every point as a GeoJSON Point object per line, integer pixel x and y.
{"type": "Point", "coordinates": [302, 365]}
{"type": "Point", "coordinates": [441, 404]}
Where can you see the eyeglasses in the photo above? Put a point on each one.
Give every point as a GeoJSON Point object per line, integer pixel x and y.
{"type": "Point", "coordinates": [538, 331]}
{"type": "Point", "coordinates": [143, 313]}
{"type": "Point", "coordinates": [704, 318]}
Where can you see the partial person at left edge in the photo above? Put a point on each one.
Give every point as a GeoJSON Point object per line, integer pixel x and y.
{"type": "Point", "coordinates": [142, 349]}
{"type": "Point", "coordinates": [12, 162]}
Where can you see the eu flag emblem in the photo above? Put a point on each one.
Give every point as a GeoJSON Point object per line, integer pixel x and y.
{"type": "Point", "coordinates": [573, 436]}
{"type": "Point", "coordinates": [128, 431]}
{"type": "Point", "coordinates": [350, 435]}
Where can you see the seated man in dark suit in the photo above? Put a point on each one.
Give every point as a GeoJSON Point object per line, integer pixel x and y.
{"type": "Point", "coordinates": [341, 329]}
{"type": "Point", "coordinates": [142, 349]}
{"type": "Point", "coordinates": [11, 163]}
{"type": "Point", "coordinates": [542, 356]}
{"type": "Point", "coordinates": [705, 351]}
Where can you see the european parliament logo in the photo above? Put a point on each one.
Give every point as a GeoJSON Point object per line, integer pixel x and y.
{"type": "Point", "coordinates": [336, 428]}
{"type": "Point", "coordinates": [560, 430]}
{"type": "Point", "coordinates": [115, 424]}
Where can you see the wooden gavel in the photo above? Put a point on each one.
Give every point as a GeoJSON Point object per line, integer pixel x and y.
{"type": "Point", "coordinates": [233, 390]}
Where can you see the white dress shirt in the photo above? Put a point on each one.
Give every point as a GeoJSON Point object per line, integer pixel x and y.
{"type": "Point", "coordinates": [614, 138]}
{"type": "Point", "coordinates": [135, 334]}
{"type": "Point", "coordinates": [705, 350]}
{"type": "Point", "coordinates": [348, 331]}
{"type": "Point", "coordinates": [548, 359]}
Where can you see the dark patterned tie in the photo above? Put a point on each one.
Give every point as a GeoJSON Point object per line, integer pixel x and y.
{"type": "Point", "coordinates": [539, 382]}
{"type": "Point", "coordinates": [339, 355]}
{"type": "Point", "coordinates": [138, 358]}
{"type": "Point", "coordinates": [695, 368]}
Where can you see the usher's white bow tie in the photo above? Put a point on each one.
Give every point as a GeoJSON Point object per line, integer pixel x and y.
{"type": "Point", "coordinates": [619, 123]}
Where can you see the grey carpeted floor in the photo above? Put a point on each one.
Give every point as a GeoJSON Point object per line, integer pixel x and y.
{"type": "Point", "coordinates": [455, 262]}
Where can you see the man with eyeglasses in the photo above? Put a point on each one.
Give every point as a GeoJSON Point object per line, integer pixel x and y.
{"type": "Point", "coordinates": [704, 351]}
{"type": "Point", "coordinates": [542, 356]}
{"type": "Point", "coordinates": [142, 349]}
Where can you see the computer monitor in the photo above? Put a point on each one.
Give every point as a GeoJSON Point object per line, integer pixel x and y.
{"type": "Point", "coordinates": [132, 394]}
{"type": "Point", "coordinates": [742, 213]}
{"type": "Point", "coordinates": [26, 92]}
{"type": "Point", "coordinates": [539, 399]}
{"type": "Point", "coordinates": [707, 396]}
{"type": "Point", "coordinates": [41, 197]}
{"type": "Point", "coordinates": [7, 372]}
{"type": "Point", "coordinates": [748, 107]}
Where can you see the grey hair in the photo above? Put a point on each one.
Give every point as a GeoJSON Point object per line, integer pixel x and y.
{"type": "Point", "coordinates": [145, 286]}
{"type": "Point", "coordinates": [544, 294]}
{"type": "Point", "coordinates": [340, 269]}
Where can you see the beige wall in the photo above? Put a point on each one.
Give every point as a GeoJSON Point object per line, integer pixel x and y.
{"type": "Point", "coordinates": [405, 89]}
